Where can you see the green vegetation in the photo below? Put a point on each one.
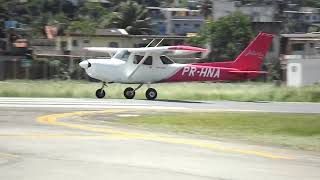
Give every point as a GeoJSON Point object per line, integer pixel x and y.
{"type": "Point", "coordinates": [132, 17]}
{"type": "Point", "coordinates": [81, 16]}
{"type": "Point", "coordinates": [299, 131]}
{"type": "Point", "coordinates": [227, 36]}
{"type": "Point", "coordinates": [179, 91]}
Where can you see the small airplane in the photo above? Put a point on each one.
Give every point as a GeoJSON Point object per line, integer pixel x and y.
{"type": "Point", "coordinates": [149, 65]}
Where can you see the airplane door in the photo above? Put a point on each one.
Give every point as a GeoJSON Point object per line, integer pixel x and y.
{"type": "Point", "coordinates": [144, 73]}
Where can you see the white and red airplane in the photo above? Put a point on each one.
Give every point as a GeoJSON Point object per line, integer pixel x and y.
{"type": "Point", "coordinates": [149, 65]}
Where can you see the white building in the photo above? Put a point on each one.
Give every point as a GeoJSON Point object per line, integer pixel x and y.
{"type": "Point", "coordinates": [307, 15]}
{"type": "Point", "coordinates": [258, 12]}
{"type": "Point", "coordinates": [303, 71]}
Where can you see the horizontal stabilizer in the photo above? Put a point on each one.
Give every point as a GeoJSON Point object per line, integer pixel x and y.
{"type": "Point", "coordinates": [249, 72]}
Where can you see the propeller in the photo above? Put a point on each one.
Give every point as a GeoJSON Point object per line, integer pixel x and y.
{"type": "Point", "coordinates": [85, 64]}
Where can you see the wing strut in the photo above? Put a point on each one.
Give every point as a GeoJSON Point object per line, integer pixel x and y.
{"type": "Point", "coordinates": [159, 42]}
{"type": "Point", "coordinates": [139, 64]}
{"type": "Point", "coordinates": [150, 42]}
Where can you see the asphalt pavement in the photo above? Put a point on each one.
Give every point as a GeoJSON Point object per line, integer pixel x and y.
{"type": "Point", "coordinates": [54, 138]}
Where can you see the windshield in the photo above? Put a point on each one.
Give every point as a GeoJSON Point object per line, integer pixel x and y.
{"type": "Point", "coordinates": [122, 55]}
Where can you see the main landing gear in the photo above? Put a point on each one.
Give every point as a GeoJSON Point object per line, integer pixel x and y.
{"type": "Point", "coordinates": [129, 92]}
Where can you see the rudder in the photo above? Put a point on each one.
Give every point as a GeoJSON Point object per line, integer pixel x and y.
{"type": "Point", "coordinates": [252, 57]}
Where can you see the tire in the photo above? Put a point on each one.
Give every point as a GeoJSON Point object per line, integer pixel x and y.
{"type": "Point", "coordinates": [129, 93]}
{"type": "Point", "coordinates": [151, 94]}
{"type": "Point", "coordinates": [100, 93]}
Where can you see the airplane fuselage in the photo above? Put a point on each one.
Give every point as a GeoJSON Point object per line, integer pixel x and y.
{"type": "Point", "coordinates": [114, 70]}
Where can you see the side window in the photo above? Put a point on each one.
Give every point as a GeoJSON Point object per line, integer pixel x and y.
{"type": "Point", "coordinates": [148, 61]}
{"type": "Point", "coordinates": [138, 58]}
{"type": "Point", "coordinates": [166, 60]}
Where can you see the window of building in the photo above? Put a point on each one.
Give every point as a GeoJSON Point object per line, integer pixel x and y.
{"type": "Point", "coordinates": [86, 41]}
{"type": "Point", "coordinates": [314, 17]}
{"type": "Point", "coordinates": [298, 47]}
{"type": "Point", "coordinates": [177, 25]}
{"type": "Point", "coordinates": [63, 44]}
{"type": "Point", "coordinates": [311, 45]}
{"type": "Point", "coordinates": [307, 17]}
{"type": "Point", "coordinates": [166, 60]}
{"type": "Point", "coordinates": [196, 25]}
{"type": "Point", "coordinates": [75, 43]}
{"type": "Point", "coordinates": [294, 68]}
{"type": "Point", "coordinates": [114, 44]}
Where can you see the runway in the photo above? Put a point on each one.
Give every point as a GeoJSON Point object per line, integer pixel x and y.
{"type": "Point", "coordinates": [50, 138]}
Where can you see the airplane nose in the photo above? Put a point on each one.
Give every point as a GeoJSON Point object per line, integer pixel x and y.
{"type": "Point", "coordinates": [85, 64]}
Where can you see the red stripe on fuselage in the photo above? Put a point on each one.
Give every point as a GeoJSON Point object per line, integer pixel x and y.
{"type": "Point", "coordinates": [204, 73]}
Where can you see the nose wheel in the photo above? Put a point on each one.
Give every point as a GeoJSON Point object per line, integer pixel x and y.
{"type": "Point", "coordinates": [101, 93]}
{"type": "Point", "coordinates": [151, 94]}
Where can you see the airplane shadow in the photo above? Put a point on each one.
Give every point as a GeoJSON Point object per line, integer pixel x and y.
{"type": "Point", "coordinates": [179, 101]}
{"type": "Point", "coordinates": [175, 101]}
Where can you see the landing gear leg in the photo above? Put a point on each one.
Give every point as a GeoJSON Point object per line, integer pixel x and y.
{"type": "Point", "coordinates": [129, 92]}
{"type": "Point", "coordinates": [100, 93]}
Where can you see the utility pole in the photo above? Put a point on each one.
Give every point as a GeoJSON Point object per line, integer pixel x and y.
{"type": "Point", "coordinates": [213, 10]}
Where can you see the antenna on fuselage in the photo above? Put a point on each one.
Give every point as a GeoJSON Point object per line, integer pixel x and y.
{"type": "Point", "coordinates": [159, 42]}
{"type": "Point", "coordinates": [150, 42]}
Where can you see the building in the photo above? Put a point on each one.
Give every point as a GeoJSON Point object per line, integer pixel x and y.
{"type": "Point", "coordinates": [175, 21]}
{"type": "Point", "coordinates": [306, 44]}
{"type": "Point", "coordinates": [73, 43]}
{"type": "Point", "coordinates": [303, 71]}
{"type": "Point", "coordinates": [306, 15]}
{"type": "Point", "coordinates": [302, 20]}
{"type": "Point", "coordinates": [259, 12]}
{"type": "Point", "coordinates": [299, 57]}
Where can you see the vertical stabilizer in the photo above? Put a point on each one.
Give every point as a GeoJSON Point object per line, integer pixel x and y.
{"type": "Point", "coordinates": [252, 57]}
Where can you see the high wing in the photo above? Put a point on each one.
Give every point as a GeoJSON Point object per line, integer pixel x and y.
{"type": "Point", "coordinates": [164, 49]}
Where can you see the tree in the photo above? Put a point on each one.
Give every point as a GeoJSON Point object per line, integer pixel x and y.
{"type": "Point", "coordinates": [84, 26]}
{"type": "Point", "coordinates": [132, 17]}
{"type": "Point", "coordinates": [227, 36]}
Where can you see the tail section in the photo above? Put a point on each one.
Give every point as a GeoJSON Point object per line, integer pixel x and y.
{"type": "Point", "coordinates": [252, 57]}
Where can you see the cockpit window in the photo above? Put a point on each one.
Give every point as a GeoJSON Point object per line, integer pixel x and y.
{"type": "Point", "coordinates": [138, 58]}
{"type": "Point", "coordinates": [122, 55]}
{"type": "Point", "coordinates": [166, 60]}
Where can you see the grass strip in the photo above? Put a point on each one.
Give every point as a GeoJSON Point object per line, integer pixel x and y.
{"type": "Point", "coordinates": [177, 91]}
{"type": "Point", "coordinates": [298, 131]}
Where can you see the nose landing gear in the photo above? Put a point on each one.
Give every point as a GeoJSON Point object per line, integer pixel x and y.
{"type": "Point", "coordinates": [100, 93]}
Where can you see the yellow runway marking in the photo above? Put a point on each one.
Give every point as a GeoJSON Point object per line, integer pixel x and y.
{"type": "Point", "coordinates": [57, 136]}
{"type": "Point", "coordinates": [53, 120]}
{"type": "Point", "coordinates": [7, 155]}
